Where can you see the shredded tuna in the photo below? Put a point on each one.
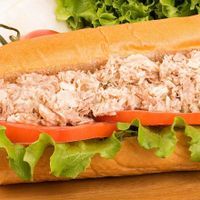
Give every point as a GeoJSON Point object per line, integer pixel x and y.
{"type": "Point", "coordinates": [137, 82]}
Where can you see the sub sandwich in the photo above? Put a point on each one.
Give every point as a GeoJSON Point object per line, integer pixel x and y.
{"type": "Point", "coordinates": [109, 101]}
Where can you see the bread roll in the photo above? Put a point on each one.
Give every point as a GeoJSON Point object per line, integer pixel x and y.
{"type": "Point", "coordinates": [87, 49]}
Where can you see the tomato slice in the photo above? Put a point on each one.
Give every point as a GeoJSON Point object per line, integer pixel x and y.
{"type": "Point", "coordinates": [151, 118]}
{"type": "Point", "coordinates": [26, 134]}
{"type": "Point", "coordinates": [104, 127]}
{"type": "Point", "coordinates": [38, 33]}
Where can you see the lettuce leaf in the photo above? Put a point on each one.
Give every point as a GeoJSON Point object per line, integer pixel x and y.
{"type": "Point", "coordinates": [92, 13]}
{"type": "Point", "coordinates": [34, 151]}
{"type": "Point", "coordinates": [194, 134]}
{"type": "Point", "coordinates": [148, 138]}
{"type": "Point", "coordinates": [173, 8]}
{"type": "Point", "coordinates": [70, 159]}
{"type": "Point", "coordinates": [15, 156]}
{"type": "Point", "coordinates": [78, 13]}
{"type": "Point", "coordinates": [67, 160]}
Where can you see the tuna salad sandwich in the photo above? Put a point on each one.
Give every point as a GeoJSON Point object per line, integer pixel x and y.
{"type": "Point", "coordinates": [108, 101]}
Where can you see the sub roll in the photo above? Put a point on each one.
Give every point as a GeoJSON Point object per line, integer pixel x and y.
{"type": "Point", "coordinates": [109, 101]}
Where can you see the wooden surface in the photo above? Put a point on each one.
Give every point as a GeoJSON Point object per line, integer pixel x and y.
{"type": "Point", "coordinates": [182, 185]}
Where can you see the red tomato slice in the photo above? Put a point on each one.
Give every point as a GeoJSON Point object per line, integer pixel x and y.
{"type": "Point", "coordinates": [38, 33]}
{"type": "Point", "coordinates": [25, 134]}
{"type": "Point", "coordinates": [151, 118]}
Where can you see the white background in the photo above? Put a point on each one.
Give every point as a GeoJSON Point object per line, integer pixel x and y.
{"type": "Point", "coordinates": [29, 15]}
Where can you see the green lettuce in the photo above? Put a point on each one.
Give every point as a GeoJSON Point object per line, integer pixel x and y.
{"type": "Point", "coordinates": [194, 134]}
{"type": "Point", "coordinates": [34, 151]}
{"type": "Point", "coordinates": [92, 13]}
{"type": "Point", "coordinates": [174, 8]}
{"type": "Point", "coordinates": [164, 139]}
{"type": "Point", "coordinates": [70, 159]}
{"type": "Point", "coordinates": [15, 156]}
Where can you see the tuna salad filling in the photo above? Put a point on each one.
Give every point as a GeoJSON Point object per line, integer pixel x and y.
{"type": "Point", "coordinates": [137, 82]}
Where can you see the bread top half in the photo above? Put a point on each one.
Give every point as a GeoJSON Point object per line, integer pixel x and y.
{"type": "Point", "coordinates": [89, 48]}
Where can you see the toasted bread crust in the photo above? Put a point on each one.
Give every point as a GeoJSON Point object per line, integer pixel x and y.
{"type": "Point", "coordinates": [130, 160]}
{"type": "Point", "coordinates": [87, 49]}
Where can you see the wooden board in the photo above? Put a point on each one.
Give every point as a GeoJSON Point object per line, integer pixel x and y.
{"type": "Point", "coordinates": [182, 185]}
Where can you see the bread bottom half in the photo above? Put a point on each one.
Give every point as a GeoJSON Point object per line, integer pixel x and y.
{"type": "Point", "coordinates": [130, 160]}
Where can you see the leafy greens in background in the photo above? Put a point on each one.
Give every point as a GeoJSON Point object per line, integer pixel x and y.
{"type": "Point", "coordinates": [70, 159]}
{"type": "Point", "coordinates": [92, 13]}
